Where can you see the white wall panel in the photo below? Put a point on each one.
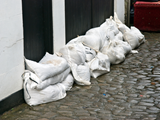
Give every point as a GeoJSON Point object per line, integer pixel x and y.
{"type": "Point", "coordinates": [11, 47]}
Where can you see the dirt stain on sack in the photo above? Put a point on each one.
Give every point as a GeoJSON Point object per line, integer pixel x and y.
{"type": "Point", "coordinates": [54, 62]}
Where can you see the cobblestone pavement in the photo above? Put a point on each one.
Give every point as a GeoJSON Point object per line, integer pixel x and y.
{"type": "Point", "coordinates": [131, 91]}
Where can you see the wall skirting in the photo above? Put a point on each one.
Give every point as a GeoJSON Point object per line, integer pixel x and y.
{"type": "Point", "coordinates": [13, 100]}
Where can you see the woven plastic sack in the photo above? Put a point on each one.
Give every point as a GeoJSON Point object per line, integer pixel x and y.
{"type": "Point", "coordinates": [53, 80]}
{"type": "Point", "coordinates": [122, 27]}
{"type": "Point", "coordinates": [81, 74]}
{"type": "Point", "coordinates": [68, 82]}
{"type": "Point", "coordinates": [119, 36]}
{"type": "Point", "coordinates": [111, 25]}
{"type": "Point", "coordinates": [33, 96]}
{"type": "Point", "coordinates": [99, 65]}
{"type": "Point", "coordinates": [90, 54]}
{"type": "Point", "coordinates": [52, 66]}
{"type": "Point", "coordinates": [110, 28]}
{"type": "Point", "coordinates": [74, 53]}
{"type": "Point", "coordinates": [116, 51]}
{"type": "Point", "coordinates": [132, 39]}
{"type": "Point", "coordinates": [141, 37]}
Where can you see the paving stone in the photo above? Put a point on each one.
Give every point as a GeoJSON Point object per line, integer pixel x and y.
{"type": "Point", "coordinates": [63, 118]}
{"type": "Point", "coordinates": [120, 96]}
{"type": "Point", "coordinates": [88, 118]}
{"type": "Point", "coordinates": [43, 119]}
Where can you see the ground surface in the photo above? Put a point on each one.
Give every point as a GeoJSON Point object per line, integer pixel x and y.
{"type": "Point", "coordinates": [131, 91]}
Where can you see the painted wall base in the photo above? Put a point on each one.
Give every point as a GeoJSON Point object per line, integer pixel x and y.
{"type": "Point", "coordinates": [11, 101]}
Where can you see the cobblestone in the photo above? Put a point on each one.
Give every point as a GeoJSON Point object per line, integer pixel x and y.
{"type": "Point", "coordinates": [130, 91]}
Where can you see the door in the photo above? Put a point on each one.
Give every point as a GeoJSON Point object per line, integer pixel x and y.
{"type": "Point", "coordinates": [37, 24]}
{"type": "Point", "coordinates": [82, 15]}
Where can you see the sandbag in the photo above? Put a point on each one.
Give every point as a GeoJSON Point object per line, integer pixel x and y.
{"type": "Point", "coordinates": [90, 54]}
{"type": "Point", "coordinates": [134, 37]}
{"type": "Point", "coordinates": [111, 24]}
{"type": "Point", "coordinates": [122, 27]}
{"type": "Point", "coordinates": [119, 36]}
{"type": "Point", "coordinates": [122, 44]}
{"type": "Point", "coordinates": [93, 41]}
{"type": "Point", "coordinates": [110, 28]}
{"type": "Point", "coordinates": [53, 80]}
{"type": "Point", "coordinates": [116, 51]}
{"type": "Point", "coordinates": [74, 53]}
{"type": "Point", "coordinates": [52, 66]}
{"type": "Point", "coordinates": [81, 74]}
{"type": "Point", "coordinates": [131, 38]}
{"type": "Point", "coordinates": [99, 65]}
{"type": "Point", "coordinates": [33, 96]}
{"type": "Point", "coordinates": [68, 82]}
{"type": "Point", "coordinates": [140, 36]}
{"type": "Point", "coordinates": [99, 32]}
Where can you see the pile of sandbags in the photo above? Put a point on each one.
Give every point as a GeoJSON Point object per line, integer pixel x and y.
{"type": "Point", "coordinates": [47, 79]}
{"type": "Point", "coordinates": [89, 55]}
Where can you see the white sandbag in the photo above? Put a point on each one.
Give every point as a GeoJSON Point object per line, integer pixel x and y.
{"type": "Point", "coordinates": [33, 96]}
{"type": "Point", "coordinates": [122, 44]}
{"type": "Point", "coordinates": [119, 36]}
{"type": "Point", "coordinates": [110, 25]}
{"type": "Point", "coordinates": [115, 53]}
{"type": "Point", "coordinates": [110, 35]}
{"type": "Point", "coordinates": [90, 53]}
{"type": "Point", "coordinates": [75, 40]}
{"type": "Point", "coordinates": [53, 80]}
{"type": "Point", "coordinates": [81, 74]}
{"type": "Point", "coordinates": [131, 38]}
{"type": "Point", "coordinates": [52, 67]}
{"type": "Point", "coordinates": [134, 37]}
{"type": "Point", "coordinates": [99, 65]}
{"type": "Point", "coordinates": [93, 41]}
{"type": "Point", "coordinates": [94, 38]}
{"type": "Point", "coordinates": [140, 36]}
{"type": "Point", "coordinates": [99, 32]}
{"type": "Point", "coordinates": [110, 28]}
{"type": "Point", "coordinates": [74, 53]}
{"type": "Point", "coordinates": [122, 27]}
{"type": "Point", "coordinates": [68, 82]}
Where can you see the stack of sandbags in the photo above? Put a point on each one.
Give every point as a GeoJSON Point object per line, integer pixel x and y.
{"type": "Point", "coordinates": [114, 47]}
{"type": "Point", "coordinates": [133, 36]}
{"type": "Point", "coordinates": [49, 79]}
{"type": "Point", "coordinates": [54, 92]}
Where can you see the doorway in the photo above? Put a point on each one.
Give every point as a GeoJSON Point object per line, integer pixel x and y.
{"type": "Point", "coordinates": [37, 27]}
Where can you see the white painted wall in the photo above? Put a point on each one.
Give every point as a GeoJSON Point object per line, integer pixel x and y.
{"type": "Point", "coordinates": [119, 8]}
{"type": "Point", "coordinates": [59, 37]}
{"type": "Point", "coordinates": [11, 47]}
